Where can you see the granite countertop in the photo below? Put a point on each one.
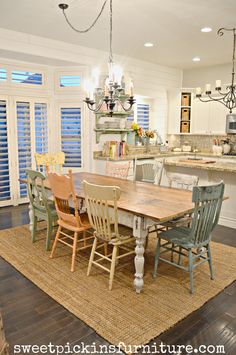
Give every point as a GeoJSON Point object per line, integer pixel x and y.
{"type": "Point", "coordinates": [164, 155]}
{"type": "Point", "coordinates": [225, 166]}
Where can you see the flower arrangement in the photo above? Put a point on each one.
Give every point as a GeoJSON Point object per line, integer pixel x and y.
{"type": "Point", "coordinates": [149, 134]}
{"type": "Point", "coordinates": [138, 130]}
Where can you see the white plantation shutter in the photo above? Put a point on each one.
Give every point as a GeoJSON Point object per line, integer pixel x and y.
{"type": "Point", "coordinates": [143, 116]}
{"type": "Point", "coordinates": [71, 136]}
{"type": "Point", "coordinates": [41, 127]}
{"type": "Point", "coordinates": [5, 193]}
{"type": "Point", "coordinates": [24, 141]}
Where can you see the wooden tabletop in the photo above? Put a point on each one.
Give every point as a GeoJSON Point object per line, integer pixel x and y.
{"type": "Point", "coordinates": [142, 199]}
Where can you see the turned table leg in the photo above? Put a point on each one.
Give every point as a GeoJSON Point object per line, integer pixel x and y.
{"type": "Point", "coordinates": [140, 233]}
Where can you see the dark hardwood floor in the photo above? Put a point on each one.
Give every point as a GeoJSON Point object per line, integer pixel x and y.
{"type": "Point", "coordinates": [31, 317]}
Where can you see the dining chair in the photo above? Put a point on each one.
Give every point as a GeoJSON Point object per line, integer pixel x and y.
{"type": "Point", "coordinates": [193, 242]}
{"type": "Point", "coordinates": [148, 170]}
{"type": "Point", "coordinates": [101, 204]}
{"type": "Point", "coordinates": [42, 207]}
{"type": "Point", "coordinates": [117, 170]}
{"type": "Point", "coordinates": [184, 182]}
{"type": "Point", "coordinates": [46, 162]}
{"type": "Point", "coordinates": [42, 161]}
{"type": "Point", "coordinates": [73, 227]}
{"type": "Point", "coordinates": [56, 162]}
{"type": "Point", "coordinates": [4, 346]}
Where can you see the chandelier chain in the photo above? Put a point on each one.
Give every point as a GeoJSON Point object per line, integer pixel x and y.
{"type": "Point", "coordinates": [111, 28]}
{"type": "Point", "coordinates": [93, 23]}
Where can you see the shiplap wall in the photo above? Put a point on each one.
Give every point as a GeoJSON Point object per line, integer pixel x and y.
{"type": "Point", "coordinates": [150, 80]}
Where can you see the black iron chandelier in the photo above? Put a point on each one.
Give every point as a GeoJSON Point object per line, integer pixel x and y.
{"type": "Point", "coordinates": [227, 98]}
{"type": "Point", "coordinates": [113, 93]}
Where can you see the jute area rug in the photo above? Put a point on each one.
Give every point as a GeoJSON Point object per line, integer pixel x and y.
{"type": "Point", "coordinates": [119, 315]}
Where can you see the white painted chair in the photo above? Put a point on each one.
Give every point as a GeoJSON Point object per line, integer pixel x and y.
{"type": "Point", "coordinates": [101, 204]}
{"type": "Point", "coordinates": [148, 170]}
{"type": "Point", "coordinates": [117, 170]}
{"type": "Point", "coordinates": [46, 162]}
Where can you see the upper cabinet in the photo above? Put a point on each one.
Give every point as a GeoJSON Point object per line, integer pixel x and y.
{"type": "Point", "coordinates": [208, 117]}
{"type": "Point", "coordinates": [188, 114]}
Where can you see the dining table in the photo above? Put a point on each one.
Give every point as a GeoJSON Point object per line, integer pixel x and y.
{"type": "Point", "coordinates": [141, 205]}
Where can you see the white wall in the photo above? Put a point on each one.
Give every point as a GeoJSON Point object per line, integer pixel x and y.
{"type": "Point", "coordinates": [199, 77]}
{"type": "Point", "coordinates": [150, 80]}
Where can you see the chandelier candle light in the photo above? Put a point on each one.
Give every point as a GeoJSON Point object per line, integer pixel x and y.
{"type": "Point", "coordinates": [227, 98]}
{"type": "Point", "coordinates": [113, 93]}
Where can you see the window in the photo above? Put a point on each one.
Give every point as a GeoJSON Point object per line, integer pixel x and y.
{"type": "Point", "coordinates": [5, 193]}
{"type": "Point", "coordinates": [70, 80]}
{"type": "Point", "coordinates": [24, 142]}
{"type": "Point", "coordinates": [143, 116]}
{"type": "Point", "coordinates": [41, 127]}
{"type": "Point", "coordinates": [25, 77]}
{"type": "Point", "coordinates": [3, 74]}
{"type": "Point", "coordinates": [71, 136]}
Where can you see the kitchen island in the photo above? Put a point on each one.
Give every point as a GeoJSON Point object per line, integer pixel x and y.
{"type": "Point", "coordinates": [223, 168]}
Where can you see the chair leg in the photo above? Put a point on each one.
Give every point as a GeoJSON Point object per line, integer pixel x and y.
{"type": "Point", "coordinates": [92, 255]}
{"type": "Point", "coordinates": [55, 242]}
{"type": "Point", "coordinates": [172, 252]}
{"type": "Point", "coordinates": [49, 234]}
{"type": "Point", "coordinates": [33, 236]}
{"type": "Point", "coordinates": [74, 252]}
{"type": "Point", "coordinates": [113, 265]}
{"type": "Point", "coordinates": [210, 261]}
{"type": "Point", "coordinates": [158, 251]}
{"type": "Point", "coordinates": [180, 256]}
{"type": "Point", "coordinates": [105, 249]}
{"type": "Point", "coordinates": [190, 258]}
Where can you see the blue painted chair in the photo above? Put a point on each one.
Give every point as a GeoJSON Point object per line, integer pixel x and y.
{"type": "Point", "coordinates": [194, 241]}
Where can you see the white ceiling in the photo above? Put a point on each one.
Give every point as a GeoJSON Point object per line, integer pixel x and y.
{"type": "Point", "coordinates": [172, 25]}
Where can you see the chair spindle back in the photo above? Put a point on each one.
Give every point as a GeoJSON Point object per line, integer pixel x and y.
{"type": "Point", "coordinates": [65, 197]}
{"type": "Point", "coordinates": [208, 201]}
{"type": "Point", "coordinates": [182, 181]}
{"type": "Point", "coordinates": [117, 170]}
{"type": "Point", "coordinates": [101, 203]}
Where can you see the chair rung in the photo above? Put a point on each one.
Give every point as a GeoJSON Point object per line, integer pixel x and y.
{"type": "Point", "coordinates": [173, 263]}
{"type": "Point", "coordinates": [67, 235]}
{"type": "Point", "coordinates": [101, 266]}
{"type": "Point", "coordinates": [123, 255]}
{"type": "Point", "coordinates": [103, 256]}
{"type": "Point", "coordinates": [63, 242]}
{"type": "Point", "coordinates": [85, 247]}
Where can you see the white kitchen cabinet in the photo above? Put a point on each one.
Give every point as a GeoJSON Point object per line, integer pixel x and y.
{"type": "Point", "coordinates": [200, 117]}
{"type": "Point", "coordinates": [217, 119]}
{"type": "Point", "coordinates": [208, 117]}
{"type": "Point", "coordinates": [174, 102]}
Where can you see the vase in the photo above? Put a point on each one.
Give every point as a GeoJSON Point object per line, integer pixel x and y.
{"type": "Point", "coordinates": [138, 140]}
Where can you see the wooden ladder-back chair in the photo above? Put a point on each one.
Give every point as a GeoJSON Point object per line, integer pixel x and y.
{"type": "Point", "coordinates": [101, 203]}
{"type": "Point", "coordinates": [117, 170]}
{"type": "Point", "coordinates": [70, 220]}
{"type": "Point", "coordinates": [193, 242]}
{"type": "Point", "coordinates": [42, 207]}
{"type": "Point", "coordinates": [148, 170]}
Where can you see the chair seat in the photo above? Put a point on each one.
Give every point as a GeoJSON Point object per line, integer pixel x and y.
{"type": "Point", "coordinates": [122, 239]}
{"type": "Point", "coordinates": [182, 221]}
{"type": "Point", "coordinates": [178, 235]}
{"type": "Point", "coordinates": [73, 228]}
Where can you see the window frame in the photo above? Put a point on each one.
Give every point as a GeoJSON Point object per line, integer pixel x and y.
{"type": "Point", "coordinates": [78, 90]}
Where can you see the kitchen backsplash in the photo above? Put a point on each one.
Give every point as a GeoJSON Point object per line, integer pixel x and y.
{"type": "Point", "coordinates": [197, 141]}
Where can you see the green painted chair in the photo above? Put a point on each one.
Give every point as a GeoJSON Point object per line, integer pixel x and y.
{"type": "Point", "coordinates": [42, 207]}
{"type": "Point", "coordinates": [193, 242]}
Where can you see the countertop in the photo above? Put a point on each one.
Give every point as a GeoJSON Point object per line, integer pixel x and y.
{"type": "Point", "coordinates": [224, 166]}
{"type": "Point", "coordinates": [166, 155]}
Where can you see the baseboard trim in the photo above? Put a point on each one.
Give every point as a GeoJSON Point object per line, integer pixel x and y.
{"type": "Point", "coordinates": [227, 222]}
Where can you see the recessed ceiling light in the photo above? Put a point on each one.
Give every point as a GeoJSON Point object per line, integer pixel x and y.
{"type": "Point", "coordinates": [196, 59]}
{"type": "Point", "coordinates": [206, 29]}
{"type": "Point", "coordinates": [148, 44]}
